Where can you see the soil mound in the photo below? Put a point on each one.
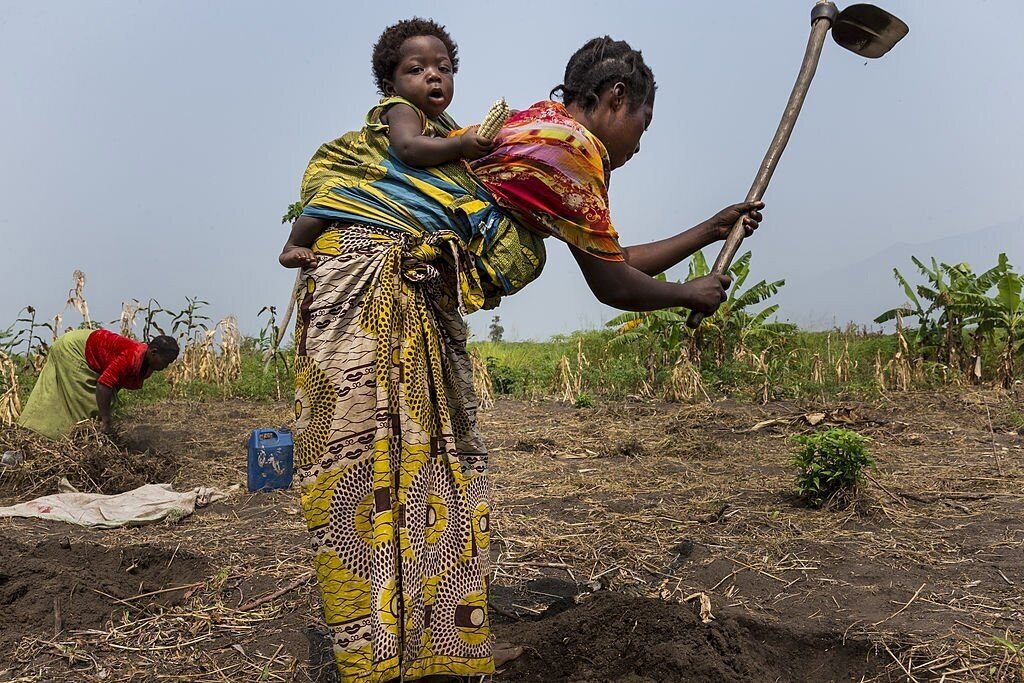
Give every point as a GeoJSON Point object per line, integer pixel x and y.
{"type": "Point", "coordinates": [614, 637]}
{"type": "Point", "coordinates": [59, 584]}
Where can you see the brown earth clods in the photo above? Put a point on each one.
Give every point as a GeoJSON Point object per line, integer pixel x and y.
{"type": "Point", "coordinates": [54, 584]}
{"type": "Point", "coordinates": [614, 637]}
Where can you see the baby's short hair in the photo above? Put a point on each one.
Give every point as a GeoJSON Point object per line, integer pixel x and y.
{"type": "Point", "coordinates": [387, 50]}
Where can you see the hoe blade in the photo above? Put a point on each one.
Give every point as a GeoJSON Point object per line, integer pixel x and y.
{"type": "Point", "coordinates": [867, 30]}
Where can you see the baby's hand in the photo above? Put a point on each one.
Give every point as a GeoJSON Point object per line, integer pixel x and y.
{"type": "Point", "coordinates": [297, 257]}
{"type": "Point", "coordinates": [473, 146]}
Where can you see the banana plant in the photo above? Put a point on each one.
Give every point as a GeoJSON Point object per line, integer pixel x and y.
{"type": "Point", "coordinates": [927, 336]}
{"type": "Point", "coordinates": [732, 324]}
{"type": "Point", "coordinates": [1001, 316]}
{"type": "Point", "coordinates": [658, 333]}
{"type": "Point", "coordinates": [940, 325]}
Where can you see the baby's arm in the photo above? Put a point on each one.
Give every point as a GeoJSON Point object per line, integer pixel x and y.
{"type": "Point", "coordinates": [405, 130]}
{"type": "Point", "coordinates": [297, 252]}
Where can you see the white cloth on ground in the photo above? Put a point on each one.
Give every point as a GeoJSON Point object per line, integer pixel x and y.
{"type": "Point", "coordinates": [144, 505]}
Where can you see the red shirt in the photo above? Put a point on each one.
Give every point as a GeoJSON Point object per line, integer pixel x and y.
{"type": "Point", "coordinates": [117, 359]}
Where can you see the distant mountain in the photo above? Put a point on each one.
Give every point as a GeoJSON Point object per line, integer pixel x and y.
{"type": "Point", "coordinates": [859, 291]}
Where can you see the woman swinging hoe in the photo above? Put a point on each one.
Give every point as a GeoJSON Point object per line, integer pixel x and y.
{"type": "Point", "coordinates": [390, 461]}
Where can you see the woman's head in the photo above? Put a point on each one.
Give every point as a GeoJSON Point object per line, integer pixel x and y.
{"type": "Point", "coordinates": [609, 87]}
{"type": "Point", "coordinates": [417, 59]}
{"type": "Point", "coordinates": [161, 352]}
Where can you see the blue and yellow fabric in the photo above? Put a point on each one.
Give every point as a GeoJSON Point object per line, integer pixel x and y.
{"type": "Point", "coordinates": [356, 179]}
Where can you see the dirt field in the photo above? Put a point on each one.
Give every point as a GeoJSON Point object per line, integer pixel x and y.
{"type": "Point", "coordinates": [610, 524]}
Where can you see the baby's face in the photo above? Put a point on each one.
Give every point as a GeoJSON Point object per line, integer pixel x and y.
{"type": "Point", "coordinates": [424, 76]}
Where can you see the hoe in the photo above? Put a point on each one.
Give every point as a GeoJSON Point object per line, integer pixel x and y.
{"type": "Point", "coordinates": [865, 30]}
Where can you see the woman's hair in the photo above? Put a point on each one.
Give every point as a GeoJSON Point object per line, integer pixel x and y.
{"type": "Point", "coordinates": [165, 346]}
{"type": "Point", "coordinates": [387, 51]}
{"type": "Point", "coordinates": [601, 63]}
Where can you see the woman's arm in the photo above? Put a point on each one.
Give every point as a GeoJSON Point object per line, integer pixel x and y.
{"type": "Point", "coordinates": [405, 130]}
{"type": "Point", "coordinates": [104, 397]}
{"type": "Point", "coordinates": [657, 257]}
{"type": "Point", "coordinates": [620, 285]}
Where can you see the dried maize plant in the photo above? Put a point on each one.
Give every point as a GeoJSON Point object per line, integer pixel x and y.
{"type": "Point", "coordinates": [816, 369]}
{"type": "Point", "coordinates": [482, 384]}
{"type": "Point", "coordinates": [76, 298]}
{"type": "Point", "coordinates": [685, 384]}
{"type": "Point", "coordinates": [493, 121]}
{"type": "Point", "coordinates": [129, 311]}
{"type": "Point", "coordinates": [563, 380]}
{"type": "Point", "coordinates": [10, 400]}
{"type": "Point", "coordinates": [645, 390]}
{"type": "Point", "coordinates": [190, 364]}
{"type": "Point", "coordinates": [570, 381]}
{"type": "Point", "coordinates": [763, 371]}
{"type": "Point", "coordinates": [741, 351]}
{"type": "Point", "coordinates": [38, 358]}
{"type": "Point", "coordinates": [202, 360]}
{"type": "Point", "coordinates": [843, 364]}
{"type": "Point", "coordinates": [228, 363]}
{"type": "Point", "coordinates": [42, 350]}
{"type": "Point", "coordinates": [879, 373]}
{"type": "Point", "coordinates": [900, 370]}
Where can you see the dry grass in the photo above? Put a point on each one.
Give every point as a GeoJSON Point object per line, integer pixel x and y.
{"type": "Point", "coordinates": [87, 458]}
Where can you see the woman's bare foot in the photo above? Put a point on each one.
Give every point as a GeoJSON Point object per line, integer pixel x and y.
{"type": "Point", "coordinates": [504, 653]}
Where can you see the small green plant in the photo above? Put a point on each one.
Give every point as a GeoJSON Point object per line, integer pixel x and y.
{"type": "Point", "coordinates": [830, 465]}
{"type": "Point", "coordinates": [583, 400]}
{"type": "Point", "coordinates": [1014, 651]}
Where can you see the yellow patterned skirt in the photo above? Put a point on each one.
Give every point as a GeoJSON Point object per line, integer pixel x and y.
{"type": "Point", "coordinates": [389, 458]}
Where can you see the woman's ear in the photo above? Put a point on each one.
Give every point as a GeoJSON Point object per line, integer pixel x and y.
{"type": "Point", "coordinates": [618, 95]}
{"type": "Point", "coordinates": [389, 87]}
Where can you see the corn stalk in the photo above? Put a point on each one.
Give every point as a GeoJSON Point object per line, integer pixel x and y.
{"type": "Point", "coordinates": [213, 356]}
{"type": "Point", "coordinates": [685, 383]}
{"type": "Point", "coordinates": [129, 311]}
{"type": "Point", "coordinates": [569, 380]}
{"type": "Point", "coordinates": [481, 380]}
{"type": "Point", "coordinates": [76, 298]}
{"type": "Point", "coordinates": [10, 400]}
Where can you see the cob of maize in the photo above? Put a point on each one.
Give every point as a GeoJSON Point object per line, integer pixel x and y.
{"type": "Point", "coordinates": [494, 120]}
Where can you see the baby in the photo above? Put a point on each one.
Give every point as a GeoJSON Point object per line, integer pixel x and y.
{"type": "Point", "coordinates": [414, 60]}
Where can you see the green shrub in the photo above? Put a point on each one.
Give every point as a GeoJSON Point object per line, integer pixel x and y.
{"type": "Point", "coordinates": [505, 379]}
{"type": "Point", "coordinates": [830, 465]}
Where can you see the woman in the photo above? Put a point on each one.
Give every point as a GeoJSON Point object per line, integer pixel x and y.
{"type": "Point", "coordinates": [83, 371]}
{"type": "Point", "coordinates": [387, 449]}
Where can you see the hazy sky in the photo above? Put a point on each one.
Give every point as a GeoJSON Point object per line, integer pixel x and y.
{"type": "Point", "coordinates": [155, 145]}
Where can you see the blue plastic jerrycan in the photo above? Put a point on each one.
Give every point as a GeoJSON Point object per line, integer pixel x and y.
{"type": "Point", "coordinates": [270, 459]}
